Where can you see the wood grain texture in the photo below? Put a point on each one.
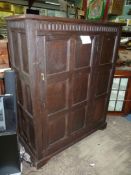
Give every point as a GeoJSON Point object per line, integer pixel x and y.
{"type": "Point", "coordinates": [63, 85]}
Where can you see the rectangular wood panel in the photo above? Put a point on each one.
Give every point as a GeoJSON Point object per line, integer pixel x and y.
{"type": "Point", "coordinates": [57, 55]}
{"type": "Point", "coordinates": [80, 87]}
{"type": "Point", "coordinates": [57, 128]}
{"type": "Point", "coordinates": [57, 96]}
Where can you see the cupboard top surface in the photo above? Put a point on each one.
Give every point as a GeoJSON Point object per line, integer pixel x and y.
{"type": "Point", "coordinates": [59, 19]}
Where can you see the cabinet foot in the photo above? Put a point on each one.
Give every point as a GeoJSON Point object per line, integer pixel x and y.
{"type": "Point", "coordinates": [103, 126]}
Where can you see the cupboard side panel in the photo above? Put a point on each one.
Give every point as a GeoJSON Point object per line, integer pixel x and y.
{"type": "Point", "coordinates": [19, 58]}
{"type": "Point", "coordinates": [102, 77]}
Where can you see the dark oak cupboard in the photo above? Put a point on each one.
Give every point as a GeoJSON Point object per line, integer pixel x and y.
{"type": "Point", "coordinates": [64, 74]}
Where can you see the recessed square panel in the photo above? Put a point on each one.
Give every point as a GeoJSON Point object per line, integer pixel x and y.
{"type": "Point", "coordinates": [78, 119]}
{"type": "Point", "coordinates": [19, 119]}
{"type": "Point", "coordinates": [23, 123]}
{"type": "Point", "coordinates": [19, 87]}
{"type": "Point", "coordinates": [16, 55]}
{"type": "Point", "coordinates": [83, 54]}
{"type": "Point", "coordinates": [24, 52]}
{"type": "Point", "coordinates": [31, 134]}
{"type": "Point", "coordinates": [28, 99]}
{"type": "Point", "coordinates": [99, 108]}
{"type": "Point", "coordinates": [80, 86]}
{"type": "Point", "coordinates": [56, 58]}
{"type": "Point", "coordinates": [102, 79]}
{"type": "Point", "coordinates": [56, 96]}
{"type": "Point", "coordinates": [56, 128]}
{"type": "Point", "coordinates": [107, 49]}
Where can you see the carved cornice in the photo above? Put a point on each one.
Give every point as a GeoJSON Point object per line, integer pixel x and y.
{"type": "Point", "coordinates": [61, 27]}
{"type": "Point", "coordinates": [74, 27]}
{"type": "Point", "coordinates": [16, 24]}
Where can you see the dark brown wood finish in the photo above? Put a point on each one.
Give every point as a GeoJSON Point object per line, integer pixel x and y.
{"type": "Point", "coordinates": [63, 85]}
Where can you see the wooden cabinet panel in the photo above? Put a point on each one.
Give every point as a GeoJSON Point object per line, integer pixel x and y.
{"type": "Point", "coordinates": [57, 55]}
{"type": "Point", "coordinates": [107, 49]}
{"type": "Point", "coordinates": [57, 96]}
{"type": "Point", "coordinates": [102, 82]}
{"type": "Point", "coordinates": [83, 53]}
{"type": "Point", "coordinates": [57, 128]}
{"type": "Point", "coordinates": [24, 52]}
{"type": "Point", "coordinates": [64, 73]}
{"type": "Point", "coordinates": [78, 117]}
{"type": "Point", "coordinates": [80, 87]}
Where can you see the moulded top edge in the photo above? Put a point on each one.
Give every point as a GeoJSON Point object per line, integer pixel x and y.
{"type": "Point", "coordinates": [60, 19]}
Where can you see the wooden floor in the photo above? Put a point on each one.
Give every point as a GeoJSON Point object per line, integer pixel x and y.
{"type": "Point", "coordinates": [106, 152]}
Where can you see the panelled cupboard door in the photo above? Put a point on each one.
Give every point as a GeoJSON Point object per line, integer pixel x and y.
{"type": "Point", "coordinates": [102, 77]}
{"type": "Point", "coordinates": [76, 80]}
{"type": "Point", "coordinates": [20, 63]}
{"type": "Point", "coordinates": [67, 73]}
